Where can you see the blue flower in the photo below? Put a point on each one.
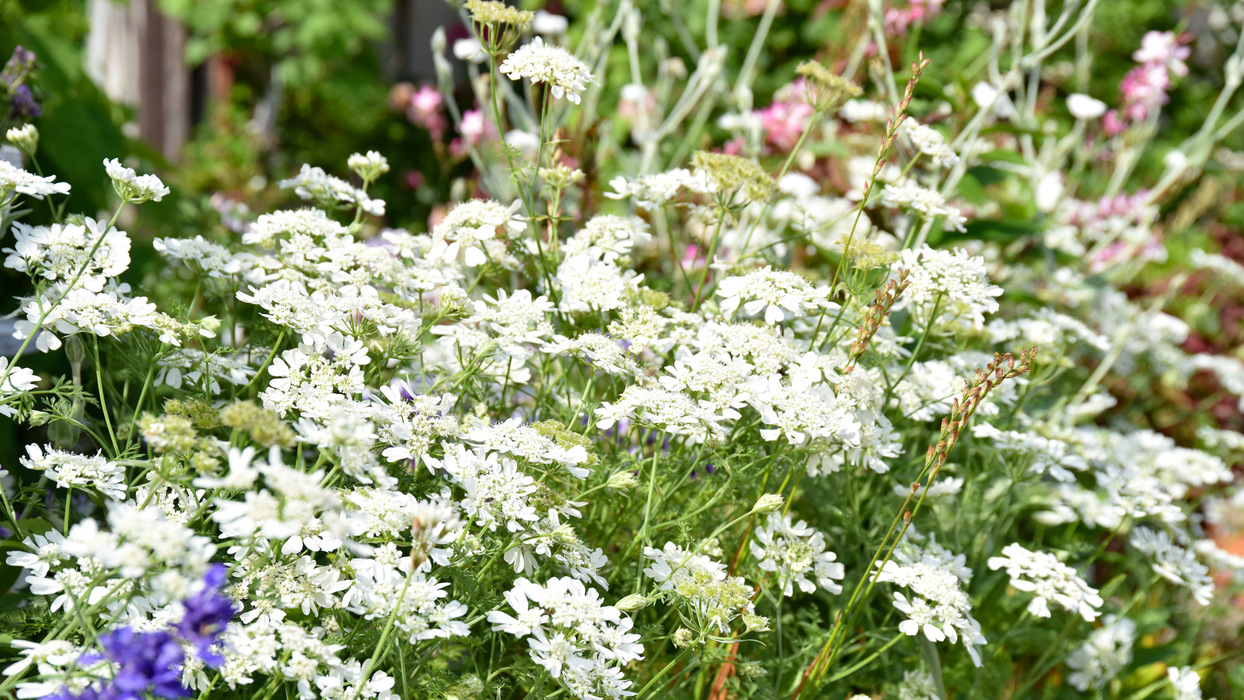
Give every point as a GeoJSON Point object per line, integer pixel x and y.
{"type": "Point", "coordinates": [207, 613]}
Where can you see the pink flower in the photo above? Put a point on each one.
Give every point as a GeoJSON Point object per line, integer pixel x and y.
{"type": "Point", "coordinates": [734, 146]}
{"type": "Point", "coordinates": [1164, 49]}
{"type": "Point", "coordinates": [897, 21]}
{"type": "Point", "coordinates": [784, 122]}
{"type": "Point", "coordinates": [1143, 91]}
{"type": "Point", "coordinates": [425, 111]}
{"type": "Point", "coordinates": [473, 130]}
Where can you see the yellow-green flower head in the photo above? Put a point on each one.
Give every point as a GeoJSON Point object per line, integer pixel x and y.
{"type": "Point", "coordinates": [492, 12]}
{"type": "Point", "coordinates": [826, 91]}
{"type": "Point", "coordinates": [732, 174]}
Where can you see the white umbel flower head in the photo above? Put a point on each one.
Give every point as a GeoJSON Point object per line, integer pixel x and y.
{"type": "Point", "coordinates": [132, 187]}
{"type": "Point", "coordinates": [538, 62]}
{"type": "Point", "coordinates": [793, 551]}
{"type": "Point", "coordinates": [1047, 579]}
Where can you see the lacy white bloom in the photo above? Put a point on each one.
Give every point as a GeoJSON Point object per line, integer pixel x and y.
{"type": "Point", "coordinates": [134, 188]}
{"type": "Point", "coordinates": [652, 191]}
{"type": "Point", "coordinates": [1047, 579]}
{"type": "Point", "coordinates": [1107, 650]}
{"type": "Point", "coordinates": [924, 200]}
{"type": "Point", "coordinates": [315, 184]}
{"type": "Point", "coordinates": [368, 166]}
{"type": "Point", "coordinates": [918, 685]}
{"type": "Point", "coordinates": [470, 224]}
{"type": "Point", "coordinates": [14, 179]}
{"type": "Point", "coordinates": [714, 598]}
{"type": "Point", "coordinates": [779, 294]}
{"type": "Point", "coordinates": [61, 252]}
{"type": "Point", "coordinates": [70, 470]}
{"type": "Point", "coordinates": [417, 603]}
{"type": "Point", "coordinates": [17, 380]}
{"type": "Point", "coordinates": [1174, 563]}
{"type": "Point", "coordinates": [955, 277]}
{"type": "Point", "coordinates": [565, 75]}
{"type": "Point", "coordinates": [931, 143]}
{"type": "Point", "coordinates": [571, 633]}
{"type": "Point", "coordinates": [793, 551]}
{"type": "Point", "coordinates": [1186, 682]}
{"type": "Point", "coordinates": [939, 607]}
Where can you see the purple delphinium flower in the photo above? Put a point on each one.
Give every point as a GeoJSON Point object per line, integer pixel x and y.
{"type": "Point", "coordinates": [18, 67]}
{"type": "Point", "coordinates": [148, 662]}
{"type": "Point", "coordinates": [24, 104]}
{"type": "Point", "coordinates": [151, 663]}
{"type": "Point", "coordinates": [207, 613]}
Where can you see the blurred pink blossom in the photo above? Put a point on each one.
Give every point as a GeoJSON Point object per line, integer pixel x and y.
{"type": "Point", "coordinates": [425, 111]}
{"type": "Point", "coordinates": [897, 21]}
{"type": "Point", "coordinates": [1161, 56]}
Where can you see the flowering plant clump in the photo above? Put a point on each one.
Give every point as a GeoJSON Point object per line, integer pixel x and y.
{"type": "Point", "coordinates": [741, 398]}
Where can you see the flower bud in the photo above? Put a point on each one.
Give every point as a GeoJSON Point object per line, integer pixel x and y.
{"type": "Point", "coordinates": [632, 602]}
{"type": "Point", "coordinates": [622, 480]}
{"type": "Point", "coordinates": [769, 503]}
{"type": "Point", "coordinates": [683, 638]}
{"type": "Point", "coordinates": [26, 138]}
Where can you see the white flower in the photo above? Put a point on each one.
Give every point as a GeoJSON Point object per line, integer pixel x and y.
{"type": "Point", "coordinates": [1106, 652]}
{"type": "Point", "coordinates": [549, 24]}
{"type": "Point", "coordinates": [1047, 579]}
{"type": "Point", "coordinates": [368, 166]}
{"type": "Point", "coordinates": [781, 295]}
{"type": "Point", "coordinates": [1186, 682]}
{"type": "Point", "coordinates": [1084, 107]}
{"type": "Point", "coordinates": [954, 282]}
{"type": "Point", "coordinates": [69, 470]}
{"type": "Point", "coordinates": [25, 137]}
{"type": "Point", "coordinates": [315, 184]}
{"type": "Point", "coordinates": [131, 187]}
{"type": "Point", "coordinates": [931, 143]}
{"type": "Point", "coordinates": [939, 607]}
{"type": "Point", "coordinates": [14, 179]}
{"type": "Point", "coordinates": [1174, 563]}
{"type": "Point", "coordinates": [793, 551]}
{"type": "Point", "coordinates": [565, 75]}
{"type": "Point", "coordinates": [985, 95]}
{"type": "Point", "coordinates": [469, 49]}
{"type": "Point", "coordinates": [569, 628]}
{"type": "Point", "coordinates": [924, 200]}
{"type": "Point", "coordinates": [17, 380]}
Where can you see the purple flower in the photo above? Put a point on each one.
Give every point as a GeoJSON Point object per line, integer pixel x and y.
{"type": "Point", "coordinates": [19, 66]}
{"type": "Point", "coordinates": [207, 613]}
{"type": "Point", "coordinates": [151, 663]}
{"type": "Point", "coordinates": [24, 104]}
{"type": "Point", "coordinates": [148, 661]}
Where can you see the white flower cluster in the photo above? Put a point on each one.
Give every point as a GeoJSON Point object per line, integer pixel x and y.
{"type": "Point", "coordinates": [654, 191]}
{"type": "Point", "coordinates": [923, 200]}
{"type": "Point", "coordinates": [132, 187]}
{"type": "Point", "coordinates": [69, 470]}
{"type": "Point", "coordinates": [1174, 563]}
{"type": "Point", "coordinates": [1106, 652]}
{"type": "Point", "coordinates": [793, 551]}
{"type": "Point", "coordinates": [954, 283]}
{"type": "Point", "coordinates": [572, 634]}
{"type": "Point", "coordinates": [565, 75]}
{"type": "Point", "coordinates": [938, 608]}
{"type": "Point", "coordinates": [714, 598]}
{"type": "Point", "coordinates": [931, 143]}
{"type": "Point", "coordinates": [1048, 579]}
{"type": "Point", "coordinates": [15, 180]}
{"type": "Point", "coordinates": [777, 294]}
{"type": "Point", "coordinates": [314, 184]}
